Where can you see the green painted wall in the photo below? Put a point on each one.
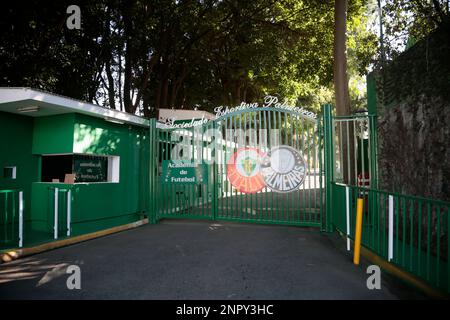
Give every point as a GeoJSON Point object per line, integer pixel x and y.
{"type": "Point", "coordinates": [15, 150]}
{"type": "Point", "coordinates": [97, 206]}
{"type": "Point", "coordinates": [53, 134]}
{"type": "Point", "coordinates": [371, 94]}
{"type": "Point", "coordinates": [130, 195]}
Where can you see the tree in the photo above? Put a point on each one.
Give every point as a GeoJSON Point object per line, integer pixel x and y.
{"type": "Point", "coordinates": [407, 21]}
{"type": "Point", "coordinates": [340, 58]}
{"type": "Point", "coordinates": [37, 50]}
{"type": "Point", "coordinates": [139, 55]}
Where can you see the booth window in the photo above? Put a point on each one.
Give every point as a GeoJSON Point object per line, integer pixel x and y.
{"type": "Point", "coordinates": [84, 168]}
{"type": "Point", "coordinates": [55, 167]}
{"type": "Point", "coordinates": [9, 172]}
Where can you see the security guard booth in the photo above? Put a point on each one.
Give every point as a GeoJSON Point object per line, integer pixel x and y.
{"type": "Point", "coordinates": [68, 167]}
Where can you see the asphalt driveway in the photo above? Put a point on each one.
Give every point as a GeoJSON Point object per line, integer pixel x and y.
{"type": "Point", "coordinates": [198, 260]}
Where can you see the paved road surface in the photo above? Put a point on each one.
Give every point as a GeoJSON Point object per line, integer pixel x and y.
{"type": "Point", "coordinates": [198, 260]}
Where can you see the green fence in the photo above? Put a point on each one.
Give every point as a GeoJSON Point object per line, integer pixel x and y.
{"type": "Point", "coordinates": [16, 231]}
{"type": "Point", "coordinates": [407, 231]}
{"type": "Point", "coordinates": [213, 148]}
{"type": "Point", "coordinates": [183, 200]}
{"type": "Point", "coordinates": [11, 219]}
{"type": "Point", "coordinates": [410, 232]}
{"type": "Point", "coordinates": [355, 149]}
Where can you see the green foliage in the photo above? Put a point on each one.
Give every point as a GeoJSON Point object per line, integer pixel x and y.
{"type": "Point", "coordinates": [37, 50]}
{"type": "Point", "coordinates": [139, 56]}
{"type": "Point", "coordinates": [408, 21]}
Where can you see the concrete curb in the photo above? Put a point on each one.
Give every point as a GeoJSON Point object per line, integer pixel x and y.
{"type": "Point", "coordinates": [400, 273]}
{"type": "Point", "coordinates": [14, 254]}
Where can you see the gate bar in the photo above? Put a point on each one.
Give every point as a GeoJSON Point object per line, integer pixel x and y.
{"type": "Point", "coordinates": [391, 229]}
{"type": "Point", "coordinates": [69, 210]}
{"type": "Point", "coordinates": [20, 219]}
{"type": "Point", "coordinates": [329, 164]}
{"type": "Point", "coordinates": [55, 224]}
{"type": "Point", "coordinates": [347, 197]}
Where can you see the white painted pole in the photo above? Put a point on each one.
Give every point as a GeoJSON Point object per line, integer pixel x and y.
{"type": "Point", "coordinates": [69, 210]}
{"type": "Point", "coordinates": [55, 226]}
{"type": "Point", "coordinates": [20, 219]}
{"type": "Point", "coordinates": [391, 229]}
{"type": "Point", "coordinates": [347, 204]}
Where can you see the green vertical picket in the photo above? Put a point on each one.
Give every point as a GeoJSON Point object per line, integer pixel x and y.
{"type": "Point", "coordinates": [215, 176]}
{"type": "Point", "coordinates": [329, 164]}
{"type": "Point", "coordinates": [448, 249]}
{"type": "Point", "coordinates": [153, 175]}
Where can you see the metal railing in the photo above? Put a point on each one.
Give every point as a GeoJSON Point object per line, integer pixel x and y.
{"type": "Point", "coordinates": [408, 231]}
{"type": "Point", "coordinates": [12, 218]}
{"type": "Point", "coordinates": [67, 201]}
{"type": "Point", "coordinates": [354, 150]}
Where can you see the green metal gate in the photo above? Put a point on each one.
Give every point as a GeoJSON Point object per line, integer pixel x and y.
{"type": "Point", "coordinates": [261, 165]}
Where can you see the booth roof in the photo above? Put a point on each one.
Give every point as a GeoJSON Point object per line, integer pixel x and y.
{"type": "Point", "coordinates": [37, 103]}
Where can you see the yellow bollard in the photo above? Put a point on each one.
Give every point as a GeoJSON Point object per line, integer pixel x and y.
{"type": "Point", "coordinates": [358, 231]}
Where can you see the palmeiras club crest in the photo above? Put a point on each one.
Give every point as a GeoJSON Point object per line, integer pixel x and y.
{"type": "Point", "coordinates": [283, 169]}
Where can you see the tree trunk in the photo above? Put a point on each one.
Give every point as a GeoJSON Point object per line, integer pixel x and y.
{"type": "Point", "coordinates": [127, 23]}
{"type": "Point", "coordinates": [173, 94]}
{"type": "Point", "coordinates": [237, 98]}
{"type": "Point", "coordinates": [127, 81]}
{"type": "Point", "coordinates": [158, 95]}
{"type": "Point", "coordinates": [165, 92]}
{"type": "Point", "coordinates": [145, 78]}
{"type": "Point", "coordinates": [348, 155]}
{"type": "Point", "coordinates": [111, 92]}
{"type": "Point", "coordinates": [109, 60]}
{"type": "Point", "coordinates": [340, 59]}
{"type": "Point", "coordinates": [146, 104]}
{"type": "Point", "coordinates": [120, 79]}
